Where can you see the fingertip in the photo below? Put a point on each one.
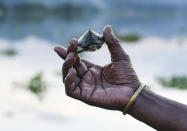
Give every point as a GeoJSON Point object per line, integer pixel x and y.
{"type": "Point", "coordinates": [116, 51]}
{"type": "Point", "coordinates": [73, 45]}
{"type": "Point", "coordinates": [56, 48]}
{"type": "Point", "coordinates": [109, 36]}
{"type": "Point", "coordinates": [74, 40]}
{"type": "Point", "coordinates": [61, 51]}
{"type": "Point", "coordinates": [108, 28]}
{"type": "Point", "coordinates": [107, 33]}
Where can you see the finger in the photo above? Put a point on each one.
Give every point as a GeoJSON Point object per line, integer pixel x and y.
{"type": "Point", "coordinates": [73, 46]}
{"type": "Point", "coordinates": [116, 51]}
{"type": "Point", "coordinates": [61, 51]}
{"type": "Point", "coordinates": [71, 81]}
{"type": "Point", "coordinates": [81, 69]}
{"type": "Point", "coordinates": [69, 62]}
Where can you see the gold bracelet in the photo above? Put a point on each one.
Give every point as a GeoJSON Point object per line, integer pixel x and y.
{"type": "Point", "coordinates": [133, 98]}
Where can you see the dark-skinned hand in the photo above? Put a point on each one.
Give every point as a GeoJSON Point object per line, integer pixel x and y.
{"type": "Point", "coordinates": [108, 87]}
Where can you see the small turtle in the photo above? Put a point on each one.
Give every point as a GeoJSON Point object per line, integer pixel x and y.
{"type": "Point", "coordinates": [90, 41]}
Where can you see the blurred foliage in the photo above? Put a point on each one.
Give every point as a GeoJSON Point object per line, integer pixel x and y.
{"type": "Point", "coordinates": [174, 82]}
{"type": "Point", "coordinates": [33, 11]}
{"type": "Point", "coordinates": [67, 11]}
{"type": "Point", "coordinates": [29, 11]}
{"type": "Point", "coordinates": [2, 11]}
{"type": "Point", "coordinates": [28, 7]}
{"type": "Point", "coordinates": [129, 37]}
{"type": "Point", "coordinates": [36, 85]}
{"type": "Point", "coordinates": [9, 52]}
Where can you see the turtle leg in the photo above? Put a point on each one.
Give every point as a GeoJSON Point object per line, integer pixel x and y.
{"type": "Point", "coordinates": [79, 51]}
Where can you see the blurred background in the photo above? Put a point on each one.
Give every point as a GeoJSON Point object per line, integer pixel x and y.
{"type": "Point", "coordinates": [32, 94]}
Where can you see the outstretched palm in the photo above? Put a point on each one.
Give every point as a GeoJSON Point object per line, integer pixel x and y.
{"type": "Point", "coordinates": [108, 87]}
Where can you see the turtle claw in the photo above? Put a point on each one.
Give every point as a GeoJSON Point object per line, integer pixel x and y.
{"type": "Point", "coordinates": [79, 51]}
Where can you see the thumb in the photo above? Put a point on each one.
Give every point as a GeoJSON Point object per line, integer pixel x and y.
{"type": "Point", "coordinates": [116, 51]}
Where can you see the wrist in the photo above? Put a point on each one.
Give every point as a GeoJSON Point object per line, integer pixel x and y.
{"type": "Point", "coordinates": [125, 95]}
{"type": "Point", "coordinates": [140, 103]}
{"type": "Point", "coordinates": [133, 98]}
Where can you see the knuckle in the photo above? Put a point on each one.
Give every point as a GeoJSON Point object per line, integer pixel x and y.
{"type": "Point", "coordinates": [69, 63]}
{"type": "Point", "coordinates": [114, 41]}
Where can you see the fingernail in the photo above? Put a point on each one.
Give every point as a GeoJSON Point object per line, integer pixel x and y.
{"type": "Point", "coordinates": [73, 41]}
{"type": "Point", "coordinates": [108, 28]}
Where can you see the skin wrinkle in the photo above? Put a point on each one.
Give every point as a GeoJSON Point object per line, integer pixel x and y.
{"type": "Point", "coordinates": [74, 89]}
{"type": "Point", "coordinates": [83, 74]}
{"type": "Point", "coordinates": [94, 84]}
{"type": "Point", "coordinates": [111, 42]}
{"type": "Point", "coordinates": [115, 83]}
{"type": "Point", "coordinates": [80, 92]}
{"type": "Point", "coordinates": [78, 86]}
{"type": "Point", "coordinates": [111, 72]}
{"type": "Point", "coordinates": [69, 62]}
{"type": "Point", "coordinates": [99, 73]}
{"type": "Point", "coordinates": [87, 85]}
{"type": "Point", "coordinates": [120, 81]}
{"type": "Point", "coordinates": [81, 69]}
{"type": "Point", "coordinates": [77, 81]}
{"type": "Point", "coordinates": [76, 93]}
{"type": "Point", "coordinates": [101, 77]}
{"type": "Point", "coordinates": [69, 83]}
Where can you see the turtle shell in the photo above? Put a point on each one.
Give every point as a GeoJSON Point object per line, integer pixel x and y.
{"type": "Point", "coordinates": [91, 41]}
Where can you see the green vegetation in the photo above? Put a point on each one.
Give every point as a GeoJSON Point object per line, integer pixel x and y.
{"type": "Point", "coordinates": [9, 52]}
{"type": "Point", "coordinates": [36, 85]}
{"type": "Point", "coordinates": [128, 37]}
{"type": "Point", "coordinates": [174, 82]}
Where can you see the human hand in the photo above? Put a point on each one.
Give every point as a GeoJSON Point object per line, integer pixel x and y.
{"type": "Point", "coordinates": [108, 87]}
